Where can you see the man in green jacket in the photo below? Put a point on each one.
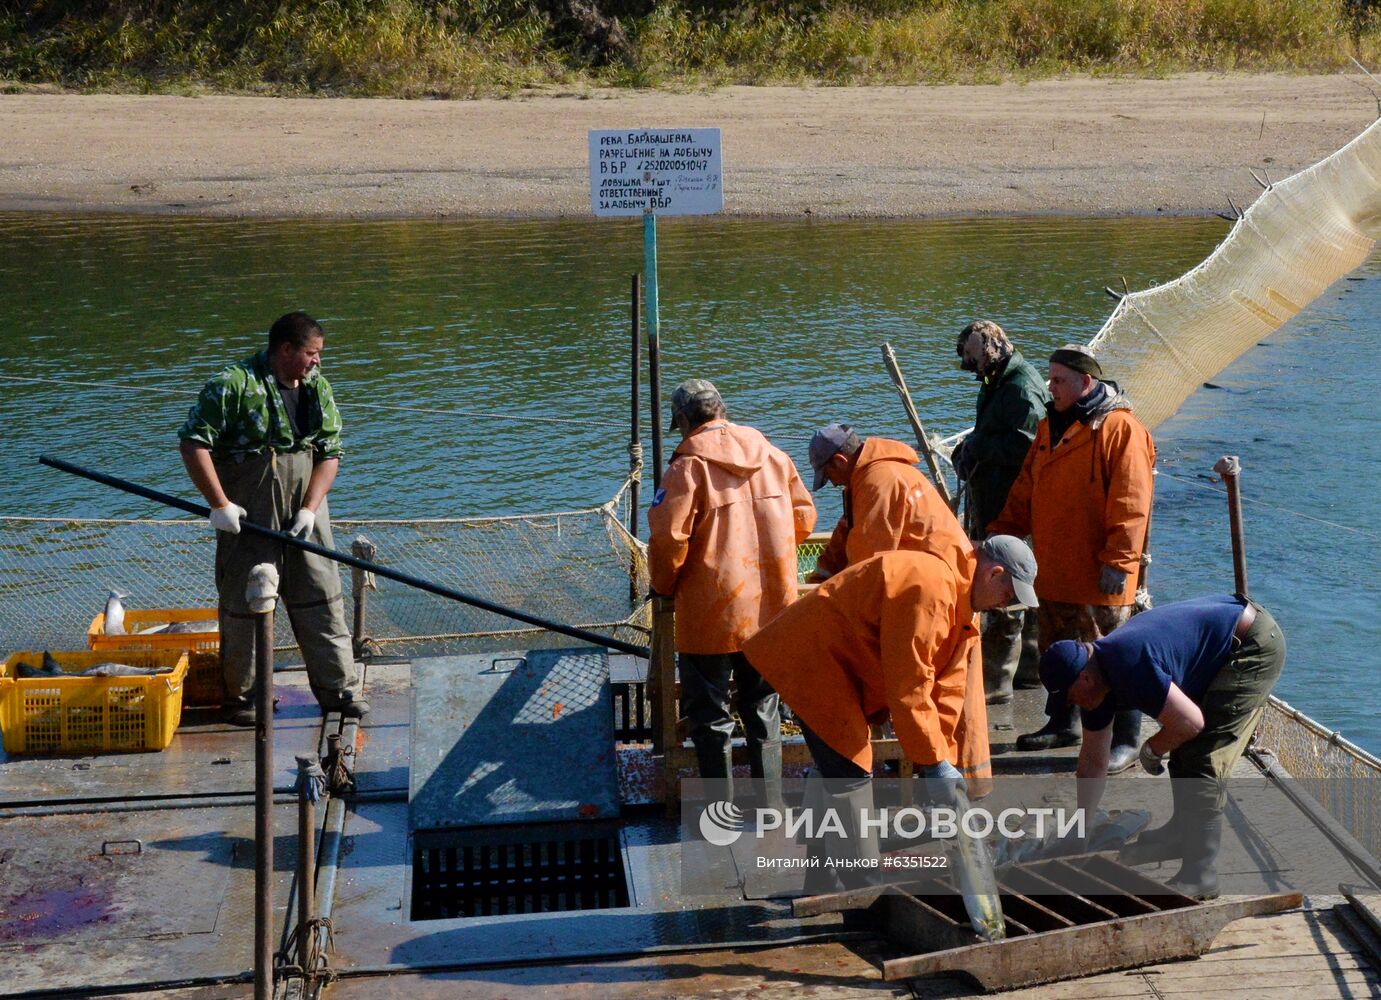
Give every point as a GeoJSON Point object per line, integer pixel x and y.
{"type": "Point", "coordinates": [263, 443]}
{"type": "Point", "coordinates": [1011, 401]}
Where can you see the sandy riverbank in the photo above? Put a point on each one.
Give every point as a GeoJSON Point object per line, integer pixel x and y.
{"type": "Point", "coordinates": [1081, 146]}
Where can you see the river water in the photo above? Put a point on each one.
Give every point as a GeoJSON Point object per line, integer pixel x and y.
{"type": "Point", "coordinates": [494, 359]}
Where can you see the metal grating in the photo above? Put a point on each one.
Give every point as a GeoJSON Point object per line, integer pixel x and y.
{"type": "Point", "coordinates": [495, 871]}
{"type": "Point", "coordinates": [632, 712]}
{"type": "Point", "coordinates": [1065, 918]}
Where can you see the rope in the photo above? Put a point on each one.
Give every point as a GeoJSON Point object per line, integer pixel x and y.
{"type": "Point", "coordinates": [1275, 507]}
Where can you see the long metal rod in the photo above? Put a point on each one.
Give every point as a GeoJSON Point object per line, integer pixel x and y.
{"type": "Point", "coordinates": [654, 356]}
{"type": "Point", "coordinates": [306, 878]}
{"type": "Point", "coordinates": [594, 638]}
{"type": "Point", "coordinates": [263, 807]}
{"type": "Point", "coordinates": [1231, 469]}
{"type": "Point", "coordinates": [889, 358]}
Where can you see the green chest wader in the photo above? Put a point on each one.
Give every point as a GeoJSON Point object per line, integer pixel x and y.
{"type": "Point", "coordinates": [270, 488]}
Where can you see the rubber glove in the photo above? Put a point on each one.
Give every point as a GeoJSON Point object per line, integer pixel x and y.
{"type": "Point", "coordinates": [943, 782]}
{"type": "Point", "coordinates": [1112, 581]}
{"type": "Point", "coordinates": [1151, 762]}
{"type": "Point", "coordinates": [303, 523]}
{"type": "Point", "coordinates": [227, 518]}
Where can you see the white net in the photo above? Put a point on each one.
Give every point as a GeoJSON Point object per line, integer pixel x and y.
{"type": "Point", "coordinates": [578, 568]}
{"type": "Point", "coordinates": [1300, 236]}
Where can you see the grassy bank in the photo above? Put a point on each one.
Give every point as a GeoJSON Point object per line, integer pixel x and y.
{"type": "Point", "coordinates": [414, 48]}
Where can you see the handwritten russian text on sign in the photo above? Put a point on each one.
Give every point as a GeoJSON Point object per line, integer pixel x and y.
{"type": "Point", "coordinates": [673, 171]}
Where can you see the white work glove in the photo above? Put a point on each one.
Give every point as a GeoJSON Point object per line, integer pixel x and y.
{"type": "Point", "coordinates": [1151, 762]}
{"type": "Point", "coordinates": [227, 518]}
{"type": "Point", "coordinates": [943, 782]}
{"type": "Point", "coordinates": [303, 523]}
{"type": "Point", "coordinates": [1112, 581]}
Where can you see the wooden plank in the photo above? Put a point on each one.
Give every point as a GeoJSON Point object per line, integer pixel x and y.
{"type": "Point", "coordinates": [1112, 944]}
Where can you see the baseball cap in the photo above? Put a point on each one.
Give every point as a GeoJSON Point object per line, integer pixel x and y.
{"type": "Point", "coordinates": [1015, 557]}
{"type": "Point", "coordinates": [1061, 664]}
{"type": "Point", "coordinates": [690, 391]}
{"type": "Point", "coordinates": [825, 443]}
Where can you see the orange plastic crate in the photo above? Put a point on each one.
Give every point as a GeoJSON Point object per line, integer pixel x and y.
{"type": "Point", "coordinates": [205, 685]}
{"type": "Point", "coordinates": [67, 714]}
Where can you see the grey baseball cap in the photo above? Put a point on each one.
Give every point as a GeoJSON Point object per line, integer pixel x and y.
{"type": "Point", "coordinates": [690, 391]}
{"type": "Point", "coordinates": [824, 443]}
{"type": "Point", "coordinates": [1015, 557]}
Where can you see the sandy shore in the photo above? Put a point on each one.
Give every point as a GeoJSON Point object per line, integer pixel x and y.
{"type": "Point", "coordinates": [1086, 147]}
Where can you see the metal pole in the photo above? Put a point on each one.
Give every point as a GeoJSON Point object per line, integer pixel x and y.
{"type": "Point", "coordinates": [311, 782]}
{"type": "Point", "coordinates": [889, 358]}
{"type": "Point", "coordinates": [654, 360]}
{"type": "Point", "coordinates": [1230, 469]}
{"type": "Point", "coordinates": [262, 594]}
{"type": "Point", "coordinates": [635, 438]}
{"type": "Point", "coordinates": [584, 635]}
{"type": "Point", "coordinates": [360, 583]}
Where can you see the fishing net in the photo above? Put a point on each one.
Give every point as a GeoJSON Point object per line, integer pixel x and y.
{"type": "Point", "coordinates": [1339, 775]}
{"type": "Point", "coordinates": [578, 568]}
{"type": "Point", "coordinates": [1300, 236]}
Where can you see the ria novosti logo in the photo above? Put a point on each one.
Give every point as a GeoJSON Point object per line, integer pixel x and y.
{"type": "Point", "coordinates": [721, 823]}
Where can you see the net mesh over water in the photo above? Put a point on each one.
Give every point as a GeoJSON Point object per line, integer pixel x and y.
{"type": "Point", "coordinates": [1297, 238]}
{"type": "Point", "coordinates": [1339, 775]}
{"type": "Point", "coordinates": [578, 568]}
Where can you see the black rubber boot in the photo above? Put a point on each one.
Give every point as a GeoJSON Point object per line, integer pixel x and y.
{"type": "Point", "coordinates": [1198, 875]}
{"type": "Point", "coordinates": [1029, 665]}
{"type": "Point", "coordinates": [1126, 741]}
{"type": "Point", "coordinates": [717, 764]}
{"type": "Point", "coordinates": [1062, 729]}
{"type": "Point", "coordinates": [1161, 844]}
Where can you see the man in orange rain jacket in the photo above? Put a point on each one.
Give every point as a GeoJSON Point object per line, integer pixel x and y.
{"type": "Point", "coordinates": [893, 636]}
{"type": "Point", "coordinates": [1084, 497]}
{"type": "Point", "coordinates": [722, 538]}
{"type": "Point", "coordinates": [889, 504]}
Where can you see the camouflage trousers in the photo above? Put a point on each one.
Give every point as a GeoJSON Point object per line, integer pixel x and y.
{"type": "Point", "coordinates": [1080, 622]}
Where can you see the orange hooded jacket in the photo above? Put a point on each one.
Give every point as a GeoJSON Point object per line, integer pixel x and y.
{"type": "Point", "coordinates": [894, 635]}
{"type": "Point", "coordinates": [722, 535]}
{"type": "Point", "coordinates": [1085, 504]}
{"type": "Point", "coordinates": [889, 504]}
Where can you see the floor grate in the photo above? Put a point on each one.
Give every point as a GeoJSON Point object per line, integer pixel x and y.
{"type": "Point", "coordinates": [494, 871]}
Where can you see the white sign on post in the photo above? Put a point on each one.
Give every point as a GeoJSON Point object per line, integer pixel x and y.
{"type": "Point", "coordinates": [673, 171]}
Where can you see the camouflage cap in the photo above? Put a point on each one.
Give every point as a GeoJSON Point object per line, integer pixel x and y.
{"type": "Point", "coordinates": [692, 390]}
{"type": "Point", "coordinates": [1078, 358]}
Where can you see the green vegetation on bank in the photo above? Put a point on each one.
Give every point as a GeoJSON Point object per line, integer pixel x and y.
{"type": "Point", "coordinates": [413, 48]}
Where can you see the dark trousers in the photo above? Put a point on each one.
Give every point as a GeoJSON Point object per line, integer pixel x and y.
{"type": "Point", "coordinates": [706, 702]}
{"type": "Point", "coordinates": [1232, 707]}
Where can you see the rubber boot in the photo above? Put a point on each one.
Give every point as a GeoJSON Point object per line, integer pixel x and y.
{"type": "Point", "coordinates": [819, 880]}
{"type": "Point", "coordinates": [1126, 741]}
{"type": "Point", "coordinates": [850, 798]}
{"type": "Point", "coordinates": [1001, 650]}
{"type": "Point", "coordinates": [1159, 844]}
{"type": "Point", "coordinates": [1029, 665]}
{"type": "Point", "coordinates": [1062, 729]}
{"type": "Point", "coordinates": [765, 766]}
{"type": "Point", "coordinates": [1198, 874]}
{"type": "Point", "coordinates": [717, 764]}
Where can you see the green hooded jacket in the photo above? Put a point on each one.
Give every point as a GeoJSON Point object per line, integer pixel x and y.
{"type": "Point", "coordinates": [1009, 410]}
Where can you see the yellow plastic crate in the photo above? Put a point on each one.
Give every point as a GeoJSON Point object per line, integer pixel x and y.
{"type": "Point", "coordinates": [205, 685]}
{"type": "Point", "coordinates": [66, 714]}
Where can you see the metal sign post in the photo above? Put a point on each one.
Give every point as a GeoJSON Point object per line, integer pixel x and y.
{"type": "Point", "coordinates": [652, 172]}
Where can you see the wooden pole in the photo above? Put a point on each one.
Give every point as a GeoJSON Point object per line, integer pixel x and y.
{"type": "Point", "coordinates": [889, 358]}
{"type": "Point", "coordinates": [1231, 469]}
{"type": "Point", "coordinates": [661, 675]}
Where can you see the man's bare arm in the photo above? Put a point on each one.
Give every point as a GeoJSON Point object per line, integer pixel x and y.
{"type": "Point", "coordinates": [202, 470]}
{"type": "Point", "coordinates": [1181, 720]}
{"type": "Point", "coordinates": [323, 475]}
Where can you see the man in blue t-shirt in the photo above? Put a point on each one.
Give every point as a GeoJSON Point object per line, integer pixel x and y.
{"type": "Point", "coordinates": [1203, 669]}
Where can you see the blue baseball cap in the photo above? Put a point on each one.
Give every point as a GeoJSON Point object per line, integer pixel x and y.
{"type": "Point", "coordinates": [1061, 664]}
